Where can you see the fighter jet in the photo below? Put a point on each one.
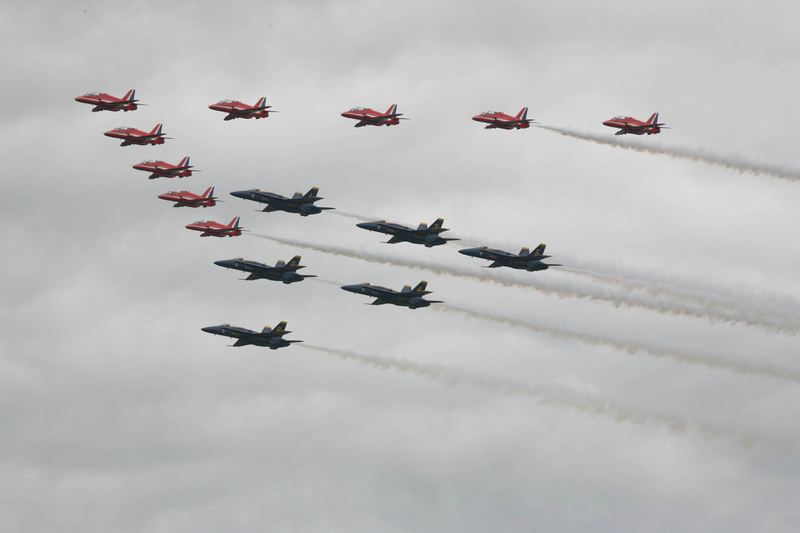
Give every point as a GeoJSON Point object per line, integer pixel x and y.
{"type": "Point", "coordinates": [369, 117]}
{"type": "Point", "coordinates": [498, 119]}
{"type": "Point", "coordinates": [407, 297]}
{"type": "Point", "coordinates": [268, 338]}
{"type": "Point", "coordinates": [282, 271]}
{"type": "Point", "coordinates": [162, 169]}
{"type": "Point", "coordinates": [106, 102]}
{"type": "Point", "coordinates": [525, 260]}
{"type": "Point", "coordinates": [424, 234]}
{"type": "Point", "coordinates": [237, 109]}
{"type": "Point", "coordinates": [212, 228]}
{"type": "Point", "coordinates": [634, 126]}
{"type": "Point", "coordinates": [300, 203]}
{"type": "Point", "coordinates": [131, 136]}
{"type": "Point", "coordinates": [190, 199]}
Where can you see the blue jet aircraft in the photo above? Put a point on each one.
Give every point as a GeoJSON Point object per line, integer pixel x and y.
{"type": "Point", "coordinates": [407, 297]}
{"type": "Point", "coordinates": [282, 271]}
{"type": "Point", "coordinates": [424, 234]}
{"type": "Point", "coordinates": [525, 260]}
{"type": "Point", "coordinates": [300, 203]}
{"type": "Point", "coordinates": [271, 338]}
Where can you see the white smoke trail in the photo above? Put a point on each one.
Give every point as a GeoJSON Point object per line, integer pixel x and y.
{"type": "Point", "coordinates": [551, 286]}
{"type": "Point", "coordinates": [780, 311]}
{"type": "Point", "coordinates": [773, 307]}
{"type": "Point", "coordinates": [352, 215]}
{"type": "Point", "coordinates": [549, 394]}
{"type": "Point", "coordinates": [631, 347]}
{"type": "Point", "coordinates": [683, 153]}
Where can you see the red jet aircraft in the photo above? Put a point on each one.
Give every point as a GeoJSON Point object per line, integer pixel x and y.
{"type": "Point", "coordinates": [189, 199]}
{"type": "Point", "coordinates": [211, 228]}
{"type": "Point", "coordinates": [160, 169]}
{"type": "Point", "coordinates": [634, 126]}
{"type": "Point", "coordinates": [237, 109]}
{"type": "Point", "coordinates": [369, 117]}
{"type": "Point", "coordinates": [106, 102]}
{"type": "Point", "coordinates": [131, 136]}
{"type": "Point", "coordinates": [496, 119]}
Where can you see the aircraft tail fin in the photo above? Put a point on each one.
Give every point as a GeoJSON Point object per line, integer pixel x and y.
{"type": "Point", "coordinates": [280, 329]}
{"type": "Point", "coordinates": [130, 95]}
{"type": "Point", "coordinates": [311, 194]}
{"type": "Point", "coordinates": [538, 252]}
{"type": "Point", "coordinates": [422, 226]}
{"type": "Point", "coordinates": [525, 252]}
{"type": "Point", "coordinates": [280, 264]}
{"type": "Point", "coordinates": [392, 110]}
{"type": "Point", "coordinates": [294, 262]}
{"type": "Point", "coordinates": [421, 286]}
{"type": "Point", "coordinates": [262, 102]}
{"type": "Point", "coordinates": [653, 119]}
{"type": "Point", "coordinates": [437, 224]}
{"type": "Point", "coordinates": [157, 129]}
{"type": "Point", "coordinates": [523, 114]}
{"type": "Point", "coordinates": [184, 162]}
{"type": "Point", "coordinates": [234, 223]}
{"type": "Point", "coordinates": [209, 192]}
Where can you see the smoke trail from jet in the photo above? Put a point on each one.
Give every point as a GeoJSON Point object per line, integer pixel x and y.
{"type": "Point", "coordinates": [564, 289]}
{"type": "Point", "coordinates": [683, 153]}
{"type": "Point", "coordinates": [351, 215]}
{"type": "Point", "coordinates": [777, 309]}
{"type": "Point", "coordinates": [630, 347]}
{"type": "Point", "coordinates": [326, 281]}
{"type": "Point", "coordinates": [781, 312]}
{"type": "Point", "coordinates": [548, 394]}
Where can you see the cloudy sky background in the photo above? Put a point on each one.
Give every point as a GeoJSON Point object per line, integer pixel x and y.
{"type": "Point", "coordinates": [119, 414]}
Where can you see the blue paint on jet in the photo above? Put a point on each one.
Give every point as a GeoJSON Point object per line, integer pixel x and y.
{"type": "Point", "coordinates": [525, 260]}
{"type": "Point", "coordinates": [424, 234]}
{"type": "Point", "coordinates": [282, 271]}
{"type": "Point", "coordinates": [407, 297]}
{"type": "Point", "coordinates": [302, 204]}
{"type": "Point", "coordinates": [271, 338]}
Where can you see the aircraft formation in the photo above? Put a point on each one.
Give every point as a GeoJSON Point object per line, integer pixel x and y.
{"type": "Point", "coordinates": [304, 204]}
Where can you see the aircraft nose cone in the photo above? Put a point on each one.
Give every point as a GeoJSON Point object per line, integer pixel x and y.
{"type": "Point", "coordinates": [240, 194]}
{"type": "Point", "coordinates": [366, 225]}
{"type": "Point", "coordinates": [210, 329]}
{"type": "Point", "coordinates": [228, 263]}
{"type": "Point", "coordinates": [351, 288]}
{"type": "Point", "coordinates": [467, 251]}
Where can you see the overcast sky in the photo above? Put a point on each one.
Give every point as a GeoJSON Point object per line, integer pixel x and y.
{"type": "Point", "coordinates": [651, 386]}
